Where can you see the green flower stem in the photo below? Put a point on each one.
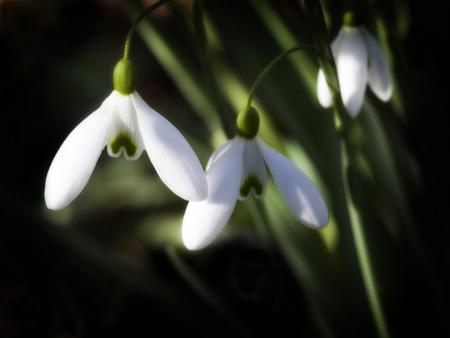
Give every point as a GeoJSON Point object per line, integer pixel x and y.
{"type": "Point", "coordinates": [127, 46]}
{"type": "Point", "coordinates": [362, 250]}
{"type": "Point", "coordinates": [342, 122]}
{"type": "Point", "coordinates": [268, 68]}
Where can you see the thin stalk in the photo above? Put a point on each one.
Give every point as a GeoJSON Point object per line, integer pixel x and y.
{"type": "Point", "coordinates": [285, 38]}
{"type": "Point", "coordinates": [183, 76]}
{"type": "Point", "coordinates": [269, 67]}
{"type": "Point", "coordinates": [127, 46]}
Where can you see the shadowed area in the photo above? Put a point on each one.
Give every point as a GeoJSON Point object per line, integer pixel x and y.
{"type": "Point", "coordinates": [112, 263]}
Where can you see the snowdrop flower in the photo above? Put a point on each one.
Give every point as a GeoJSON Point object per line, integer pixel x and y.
{"type": "Point", "coordinates": [238, 169]}
{"type": "Point", "coordinates": [359, 60]}
{"type": "Point", "coordinates": [126, 125]}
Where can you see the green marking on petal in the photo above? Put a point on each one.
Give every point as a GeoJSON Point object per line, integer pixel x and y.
{"type": "Point", "coordinates": [251, 182]}
{"type": "Point", "coordinates": [123, 140]}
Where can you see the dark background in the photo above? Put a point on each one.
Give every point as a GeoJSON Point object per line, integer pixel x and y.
{"type": "Point", "coordinates": [49, 289]}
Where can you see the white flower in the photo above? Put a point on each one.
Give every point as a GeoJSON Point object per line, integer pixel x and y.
{"type": "Point", "coordinates": [238, 169]}
{"type": "Point", "coordinates": [126, 125]}
{"type": "Point", "coordinates": [359, 60]}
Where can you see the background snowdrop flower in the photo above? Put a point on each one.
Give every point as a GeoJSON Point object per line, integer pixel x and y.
{"type": "Point", "coordinates": [237, 170]}
{"type": "Point", "coordinates": [126, 125]}
{"type": "Point", "coordinates": [359, 60]}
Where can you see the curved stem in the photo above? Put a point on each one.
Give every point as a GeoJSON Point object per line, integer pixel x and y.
{"type": "Point", "coordinates": [126, 48]}
{"type": "Point", "coordinates": [269, 67]}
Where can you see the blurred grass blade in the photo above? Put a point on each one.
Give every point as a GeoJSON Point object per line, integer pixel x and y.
{"type": "Point", "coordinates": [382, 160]}
{"type": "Point", "coordinates": [206, 56]}
{"type": "Point", "coordinates": [303, 65]}
{"type": "Point", "coordinates": [182, 75]}
{"type": "Point", "coordinates": [362, 251]}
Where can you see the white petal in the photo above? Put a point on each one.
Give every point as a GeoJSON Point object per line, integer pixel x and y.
{"type": "Point", "coordinates": [323, 91]}
{"type": "Point", "coordinates": [204, 220]}
{"type": "Point", "coordinates": [76, 158]}
{"type": "Point", "coordinates": [337, 42]}
{"type": "Point", "coordinates": [219, 152]}
{"type": "Point", "coordinates": [253, 169]}
{"type": "Point", "coordinates": [301, 195]}
{"type": "Point", "coordinates": [351, 64]}
{"type": "Point", "coordinates": [379, 77]}
{"type": "Point", "coordinates": [125, 129]}
{"type": "Point", "coordinates": [171, 155]}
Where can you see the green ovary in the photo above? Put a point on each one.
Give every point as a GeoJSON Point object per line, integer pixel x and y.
{"type": "Point", "coordinates": [122, 140]}
{"type": "Point", "coordinates": [250, 182]}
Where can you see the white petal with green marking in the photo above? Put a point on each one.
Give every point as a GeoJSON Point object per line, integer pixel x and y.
{"type": "Point", "coordinates": [125, 137]}
{"type": "Point", "coordinates": [254, 173]}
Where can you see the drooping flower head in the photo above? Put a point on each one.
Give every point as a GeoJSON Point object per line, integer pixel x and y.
{"type": "Point", "coordinates": [127, 126]}
{"type": "Point", "coordinates": [239, 169]}
{"type": "Point", "coordinates": [359, 61]}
